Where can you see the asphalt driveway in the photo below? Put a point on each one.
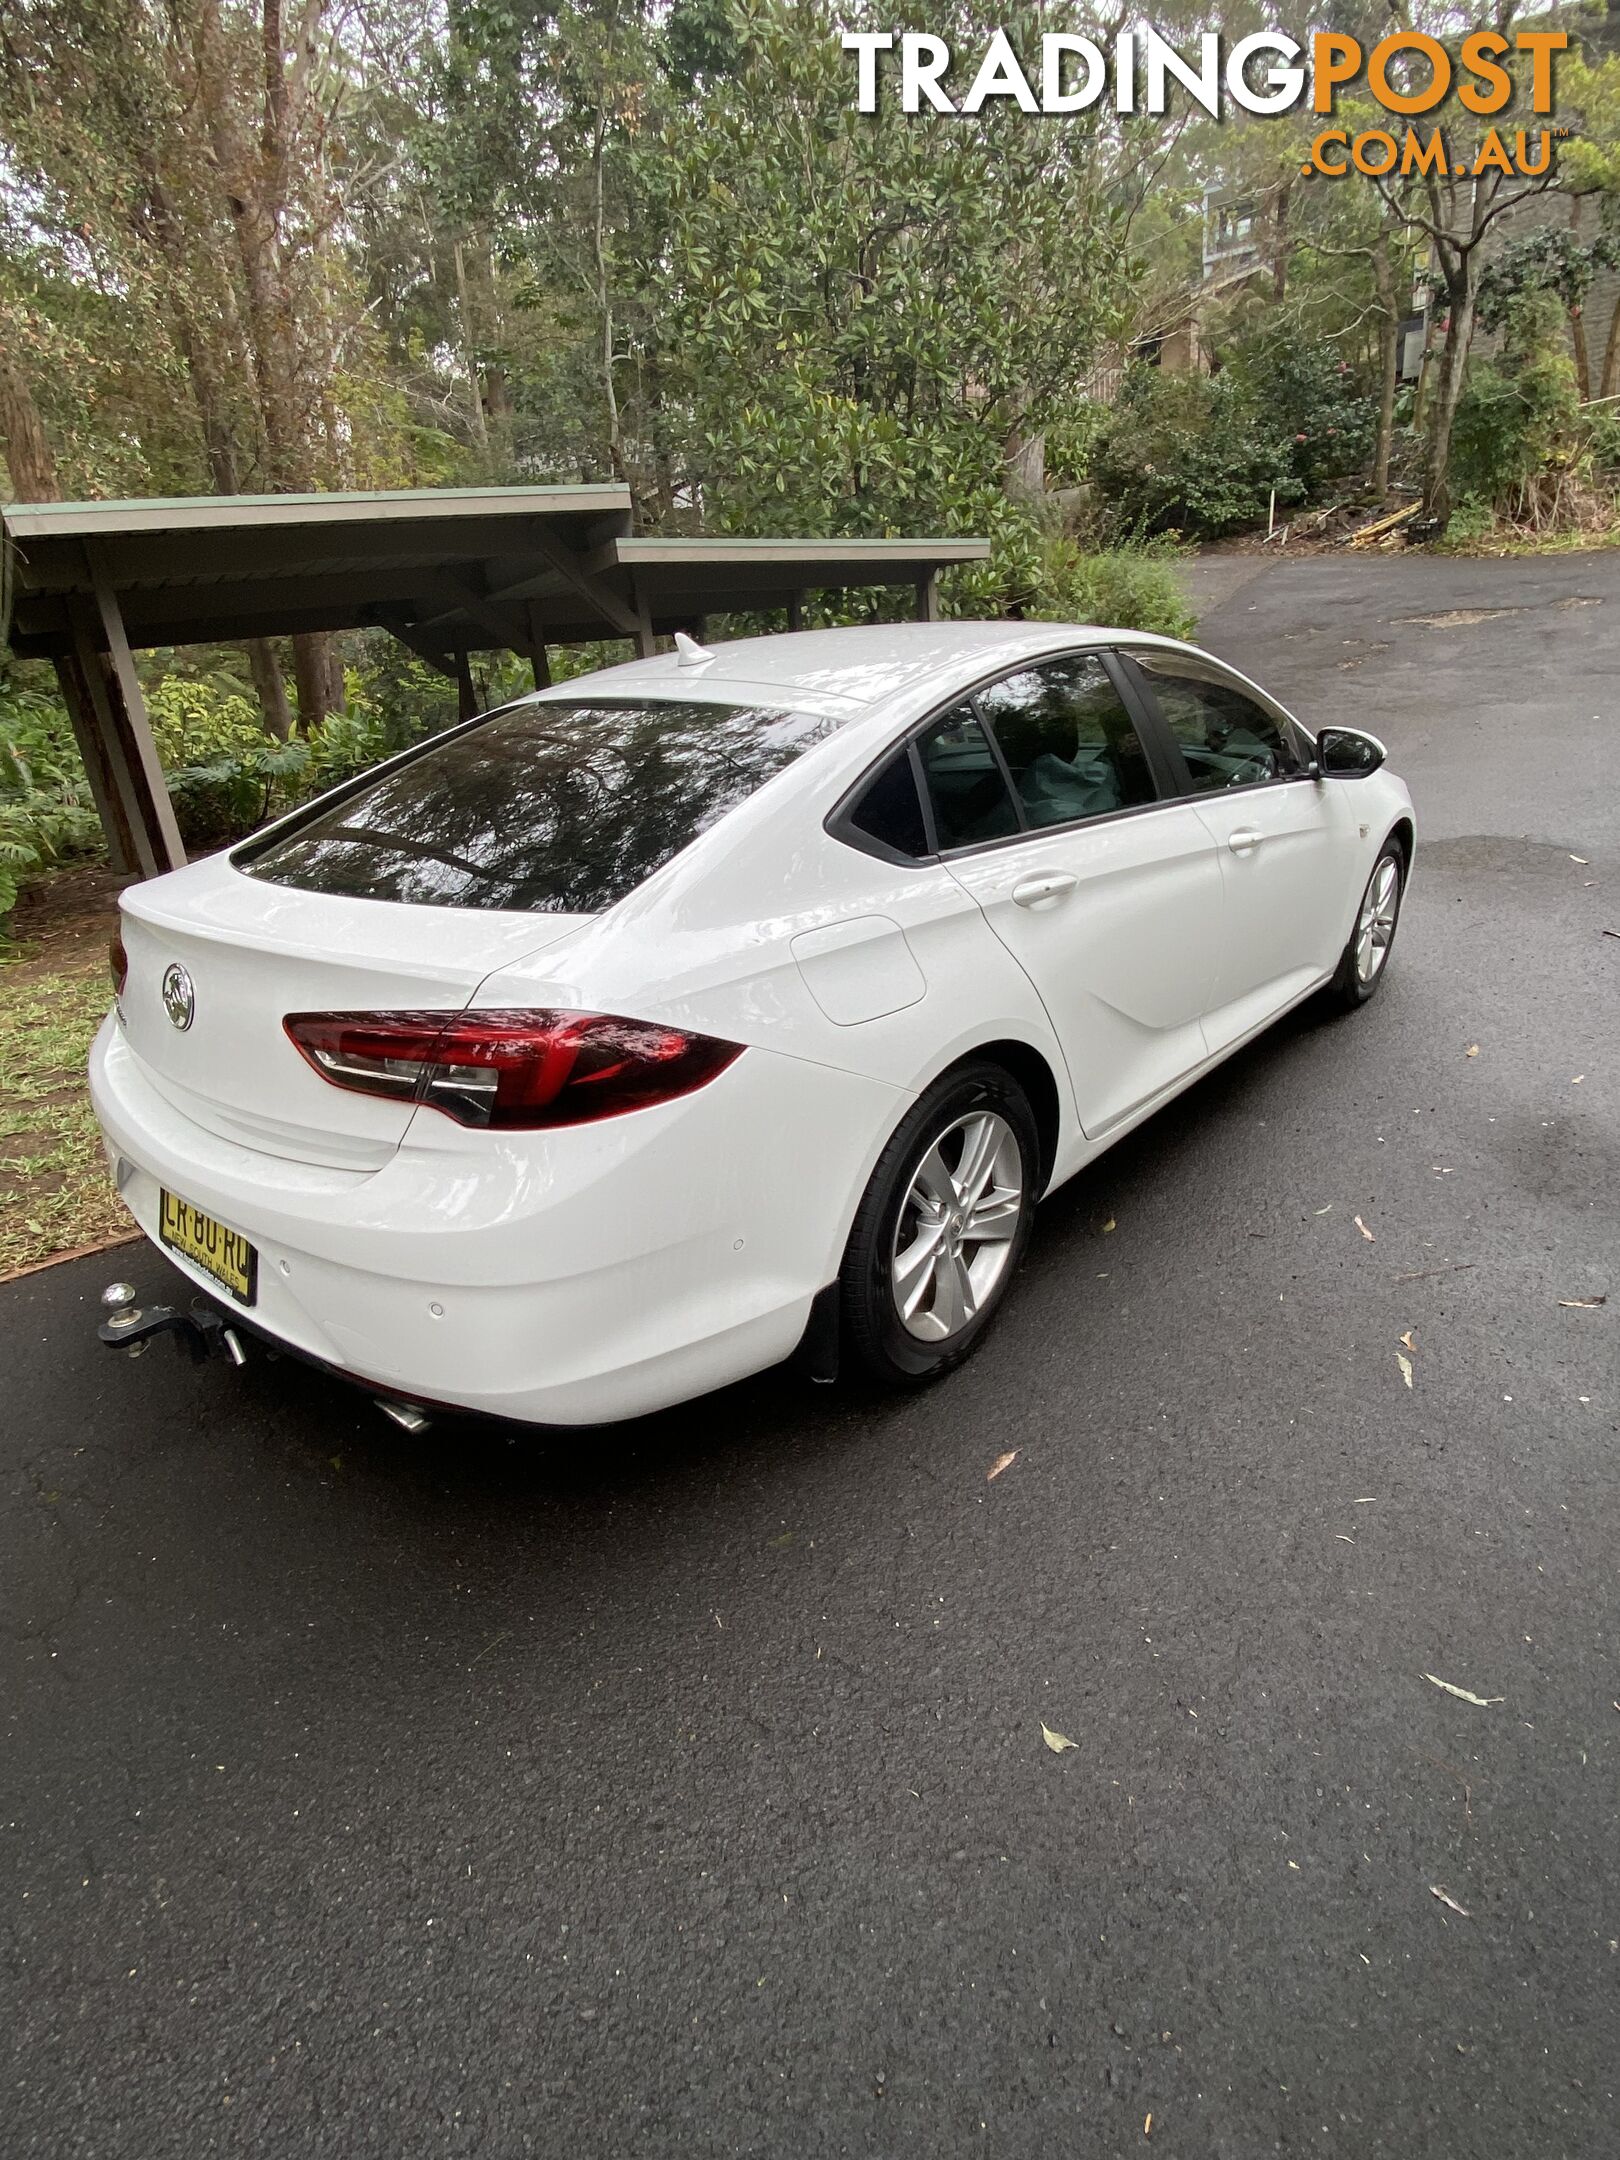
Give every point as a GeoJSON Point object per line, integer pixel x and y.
{"type": "Point", "coordinates": [682, 1789]}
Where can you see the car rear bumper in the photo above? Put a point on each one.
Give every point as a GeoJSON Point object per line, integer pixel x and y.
{"type": "Point", "coordinates": [569, 1277]}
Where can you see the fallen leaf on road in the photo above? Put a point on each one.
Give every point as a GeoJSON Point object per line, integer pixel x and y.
{"type": "Point", "coordinates": [1366, 1500]}
{"type": "Point", "coordinates": [1581, 859]}
{"type": "Point", "coordinates": [1472, 1050]}
{"type": "Point", "coordinates": [1579, 1077]}
{"type": "Point", "coordinates": [1343, 1537]}
{"type": "Point", "coordinates": [1448, 1900]}
{"type": "Point", "coordinates": [1002, 1462]}
{"type": "Point", "coordinates": [1328, 1210]}
{"type": "Point", "coordinates": [1366, 1233]}
{"type": "Point", "coordinates": [1405, 1363]}
{"type": "Point", "coordinates": [1609, 933]}
{"type": "Point", "coordinates": [1480, 1702]}
{"type": "Point", "coordinates": [1583, 1304]}
{"type": "Point", "coordinates": [1110, 1224]}
{"type": "Point", "coordinates": [1147, 2127]}
{"type": "Point", "coordinates": [1409, 1339]}
{"type": "Point", "coordinates": [1056, 1741]}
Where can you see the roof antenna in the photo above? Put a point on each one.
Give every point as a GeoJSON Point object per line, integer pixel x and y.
{"type": "Point", "coordinates": [688, 652]}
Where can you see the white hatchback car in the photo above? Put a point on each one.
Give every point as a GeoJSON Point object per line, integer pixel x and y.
{"type": "Point", "coordinates": [609, 1047]}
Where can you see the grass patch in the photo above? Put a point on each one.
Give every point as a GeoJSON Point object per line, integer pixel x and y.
{"type": "Point", "coordinates": [55, 1192]}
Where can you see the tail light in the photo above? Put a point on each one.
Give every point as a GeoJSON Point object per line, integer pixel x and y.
{"type": "Point", "coordinates": [513, 1070]}
{"type": "Point", "coordinates": [118, 962]}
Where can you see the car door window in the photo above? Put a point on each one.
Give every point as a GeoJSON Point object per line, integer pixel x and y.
{"type": "Point", "coordinates": [966, 785]}
{"type": "Point", "coordinates": [1226, 738]}
{"type": "Point", "coordinates": [1069, 743]}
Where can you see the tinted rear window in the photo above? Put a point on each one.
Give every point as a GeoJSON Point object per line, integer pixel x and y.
{"type": "Point", "coordinates": [564, 806]}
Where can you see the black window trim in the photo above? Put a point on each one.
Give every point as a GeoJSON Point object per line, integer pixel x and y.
{"type": "Point", "coordinates": [1158, 744]}
{"type": "Point", "coordinates": [1143, 700]}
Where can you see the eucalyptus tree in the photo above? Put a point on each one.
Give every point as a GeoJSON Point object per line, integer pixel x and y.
{"type": "Point", "coordinates": [189, 158]}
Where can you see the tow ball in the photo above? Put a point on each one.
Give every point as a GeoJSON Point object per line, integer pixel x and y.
{"type": "Point", "coordinates": [200, 1331]}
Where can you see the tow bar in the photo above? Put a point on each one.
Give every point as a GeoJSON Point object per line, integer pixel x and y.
{"type": "Point", "coordinates": [131, 1327]}
{"type": "Point", "coordinates": [202, 1331]}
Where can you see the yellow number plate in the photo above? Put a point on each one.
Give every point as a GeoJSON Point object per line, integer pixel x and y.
{"type": "Point", "coordinates": [219, 1252]}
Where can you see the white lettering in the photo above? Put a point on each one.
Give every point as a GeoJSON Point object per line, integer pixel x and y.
{"type": "Point", "coordinates": [1000, 76]}
{"type": "Point", "coordinates": [867, 44]}
{"type": "Point", "coordinates": [1284, 83]}
{"type": "Point", "coordinates": [1055, 48]}
{"type": "Point", "coordinates": [923, 60]}
{"type": "Point", "coordinates": [1202, 82]}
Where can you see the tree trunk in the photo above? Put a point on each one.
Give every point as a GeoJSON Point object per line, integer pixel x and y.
{"type": "Point", "coordinates": [1583, 365]}
{"type": "Point", "coordinates": [1448, 392]}
{"type": "Point", "coordinates": [469, 349]}
{"type": "Point", "coordinates": [1609, 379]}
{"type": "Point", "coordinates": [1577, 321]}
{"type": "Point", "coordinates": [1279, 244]}
{"type": "Point", "coordinates": [271, 686]}
{"type": "Point", "coordinates": [23, 441]}
{"type": "Point", "coordinates": [1389, 362]}
{"type": "Point", "coordinates": [604, 301]}
{"type": "Point", "coordinates": [309, 672]}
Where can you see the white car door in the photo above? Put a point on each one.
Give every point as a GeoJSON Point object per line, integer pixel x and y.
{"type": "Point", "coordinates": [1049, 810]}
{"type": "Point", "coordinates": [1281, 840]}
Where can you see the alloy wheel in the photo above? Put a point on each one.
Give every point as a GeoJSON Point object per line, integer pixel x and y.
{"type": "Point", "coordinates": [1375, 931]}
{"type": "Point", "coordinates": [954, 1235]}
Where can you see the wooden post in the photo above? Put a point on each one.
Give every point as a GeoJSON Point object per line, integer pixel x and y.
{"type": "Point", "coordinates": [144, 828]}
{"type": "Point", "coordinates": [122, 852]}
{"type": "Point", "coordinates": [646, 644]}
{"type": "Point", "coordinates": [796, 611]}
{"type": "Point", "coordinates": [538, 664]}
{"type": "Point", "coordinates": [928, 597]}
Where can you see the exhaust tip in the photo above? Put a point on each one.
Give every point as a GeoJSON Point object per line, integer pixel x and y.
{"type": "Point", "coordinates": [406, 1415]}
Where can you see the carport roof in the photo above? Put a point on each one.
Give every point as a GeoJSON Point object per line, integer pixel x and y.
{"type": "Point", "coordinates": [446, 570]}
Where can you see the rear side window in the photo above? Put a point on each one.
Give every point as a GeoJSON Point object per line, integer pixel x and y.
{"type": "Point", "coordinates": [1226, 738]}
{"type": "Point", "coordinates": [966, 785]}
{"type": "Point", "coordinates": [564, 806]}
{"type": "Point", "coordinates": [889, 810]}
{"type": "Point", "coordinates": [1069, 743]}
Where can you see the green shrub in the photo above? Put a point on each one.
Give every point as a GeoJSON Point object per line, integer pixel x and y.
{"type": "Point", "coordinates": [1130, 588]}
{"type": "Point", "coordinates": [1519, 415]}
{"type": "Point", "coordinates": [47, 812]}
{"type": "Point", "coordinates": [1470, 522]}
{"type": "Point", "coordinates": [1182, 453]}
{"type": "Point", "coordinates": [1601, 427]}
{"type": "Point", "coordinates": [1308, 394]}
{"type": "Point", "coordinates": [1202, 454]}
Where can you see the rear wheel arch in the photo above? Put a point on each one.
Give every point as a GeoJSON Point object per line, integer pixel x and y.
{"type": "Point", "coordinates": [1035, 1076]}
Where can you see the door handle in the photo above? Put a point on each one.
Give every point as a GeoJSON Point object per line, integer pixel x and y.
{"type": "Point", "coordinates": [1035, 891]}
{"type": "Point", "coordinates": [1243, 841]}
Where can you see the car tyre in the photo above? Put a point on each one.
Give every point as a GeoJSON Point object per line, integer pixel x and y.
{"type": "Point", "coordinates": [918, 1287]}
{"type": "Point", "coordinates": [1365, 960]}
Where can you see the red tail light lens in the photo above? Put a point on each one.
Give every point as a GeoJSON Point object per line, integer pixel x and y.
{"type": "Point", "coordinates": [118, 962]}
{"type": "Point", "coordinates": [513, 1070]}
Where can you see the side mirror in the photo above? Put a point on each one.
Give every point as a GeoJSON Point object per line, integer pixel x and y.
{"type": "Point", "coordinates": [1347, 753]}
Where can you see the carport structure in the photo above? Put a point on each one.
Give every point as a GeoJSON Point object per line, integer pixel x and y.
{"type": "Point", "coordinates": [448, 572]}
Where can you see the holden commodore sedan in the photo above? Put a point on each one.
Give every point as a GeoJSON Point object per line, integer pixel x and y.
{"type": "Point", "coordinates": [614, 1045]}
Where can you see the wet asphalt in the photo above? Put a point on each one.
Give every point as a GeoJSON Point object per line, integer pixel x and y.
{"type": "Point", "coordinates": [682, 1788]}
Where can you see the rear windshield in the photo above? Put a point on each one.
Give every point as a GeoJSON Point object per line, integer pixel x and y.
{"type": "Point", "coordinates": [564, 806]}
